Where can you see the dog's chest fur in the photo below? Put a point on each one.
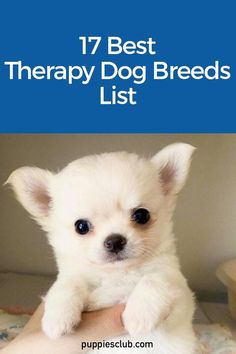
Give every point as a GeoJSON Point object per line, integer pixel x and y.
{"type": "Point", "coordinates": [114, 286]}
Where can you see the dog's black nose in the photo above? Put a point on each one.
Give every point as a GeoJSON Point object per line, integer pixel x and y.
{"type": "Point", "coordinates": [115, 243]}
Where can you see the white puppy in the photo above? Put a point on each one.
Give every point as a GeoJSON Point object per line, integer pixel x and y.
{"type": "Point", "coordinates": [108, 219]}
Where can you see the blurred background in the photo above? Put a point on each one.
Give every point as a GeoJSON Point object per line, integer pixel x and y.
{"type": "Point", "coordinates": [205, 218]}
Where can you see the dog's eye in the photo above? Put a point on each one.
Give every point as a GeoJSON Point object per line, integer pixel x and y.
{"type": "Point", "coordinates": [82, 226]}
{"type": "Point", "coordinates": [141, 216]}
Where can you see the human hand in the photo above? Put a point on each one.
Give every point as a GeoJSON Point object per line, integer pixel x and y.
{"type": "Point", "coordinates": [94, 326]}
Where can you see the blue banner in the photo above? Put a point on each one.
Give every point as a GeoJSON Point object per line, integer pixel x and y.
{"type": "Point", "coordinates": [117, 67]}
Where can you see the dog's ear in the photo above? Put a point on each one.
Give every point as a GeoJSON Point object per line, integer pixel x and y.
{"type": "Point", "coordinates": [31, 186]}
{"type": "Point", "coordinates": [173, 164]}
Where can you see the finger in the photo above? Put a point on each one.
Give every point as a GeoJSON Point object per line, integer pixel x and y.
{"type": "Point", "coordinates": [107, 320]}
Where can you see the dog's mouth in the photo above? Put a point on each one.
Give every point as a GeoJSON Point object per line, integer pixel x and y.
{"type": "Point", "coordinates": [116, 257]}
{"type": "Point", "coordinates": [124, 256]}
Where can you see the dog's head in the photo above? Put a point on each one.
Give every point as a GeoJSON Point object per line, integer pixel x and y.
{"type": "Point", "coordinates": [108, 208]}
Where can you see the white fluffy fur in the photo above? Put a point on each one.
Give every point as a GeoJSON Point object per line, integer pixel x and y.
{"type": "Point", "coordinates": [105, 189]}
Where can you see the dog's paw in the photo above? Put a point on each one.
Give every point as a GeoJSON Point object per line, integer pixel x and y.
{"type": "Point", "coordinates": [138, 320]}
{"type": "Point", "coordinates": [56, 323]}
